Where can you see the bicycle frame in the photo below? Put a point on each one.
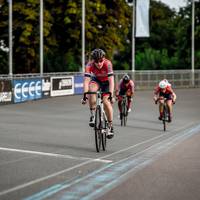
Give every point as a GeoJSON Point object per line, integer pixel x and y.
{"type": "Point", "coordinates": [99, 102]}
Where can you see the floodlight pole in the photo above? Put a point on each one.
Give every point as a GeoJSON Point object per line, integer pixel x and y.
{"type": "Point", "coordinates": [193, 42]}
{"type": "Point", "coordinates": [41, 38]}
{"type": "Point", "coordinates": [133, 38]}
{"type": "Point", "coordinates": [83, 35]}
{"type": "Point", "coordinates": [10, 39]}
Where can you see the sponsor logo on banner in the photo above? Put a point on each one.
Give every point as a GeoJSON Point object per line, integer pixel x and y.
{"type": "Point", "coordinates": [28, 89]}
{"type": "Point", "coordinates": [46, 87]}
{"type": "Point", "coordinates": [78, 84]}
{"type": "Point", "coordinates": [5, 91]}
{"type": "Point", "coordinates": [62, 86]}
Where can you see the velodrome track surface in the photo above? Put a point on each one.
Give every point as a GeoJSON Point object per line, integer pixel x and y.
{"type": "Point", "coordinates": [47, 151]}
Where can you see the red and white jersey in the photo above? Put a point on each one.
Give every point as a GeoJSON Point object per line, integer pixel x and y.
{"type": "Point", "coordinates": [168, 90]}
{"type": "Point", "coordinates": [101, 74]}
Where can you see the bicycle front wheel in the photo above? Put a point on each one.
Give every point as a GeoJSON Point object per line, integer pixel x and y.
{"type": "Point", "coordinates": [104, 133]}
{"type": "Point", "coordinates": [98, 129]}
{"type": "Point", "coordinates": [164, 118]}
{"type": "Point", "coordinates": [124, 113]}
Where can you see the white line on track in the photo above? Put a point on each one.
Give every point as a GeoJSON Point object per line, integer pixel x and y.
{"type": "Point", "coordinates": [54, 155]}
{"type": "Point", "coordinates": [86, 162]}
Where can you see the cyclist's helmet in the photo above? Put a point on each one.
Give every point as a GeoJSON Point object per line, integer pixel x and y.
{"type": "Point", "coordinates": [126, 78]}
{"type": "Point", "coordinates": [163, 84]}
{"type": "Point", "coordinates": [97, 54]}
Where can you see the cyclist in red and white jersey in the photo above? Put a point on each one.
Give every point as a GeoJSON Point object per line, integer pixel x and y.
{"type": "Point", "coordinates": [99, 75]}
{"type": "Point", "coordinates": [161, 91]}
{"type": "Point", "coordinates": [125, 86]}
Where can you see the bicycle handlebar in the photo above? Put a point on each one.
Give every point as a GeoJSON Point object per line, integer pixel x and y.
{"type": "Point", "coordinates": [163, 99]}
{"type": "Point", "coordinates": [101, 93]}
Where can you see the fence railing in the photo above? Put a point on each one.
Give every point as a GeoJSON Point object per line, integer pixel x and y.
{"type": "Point", "coordinates": [142, 79]}
{"type": "Point", "coordinates": [148, 79]}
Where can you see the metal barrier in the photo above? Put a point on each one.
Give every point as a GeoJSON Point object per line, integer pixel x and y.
{"type": "Point", "coordinates": [149, 79]}
{"type": "Point", "coordinates": [142, 79]}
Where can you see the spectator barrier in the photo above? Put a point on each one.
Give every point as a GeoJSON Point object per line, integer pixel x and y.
{"type": "Point", "coordinates": [25, 87]}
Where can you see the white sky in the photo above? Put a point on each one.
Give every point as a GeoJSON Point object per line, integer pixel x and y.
{"type": "Point", "coordinates": [175, 3]}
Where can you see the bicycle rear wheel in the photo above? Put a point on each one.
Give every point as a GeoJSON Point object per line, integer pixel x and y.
{"type": "Point", "coordinates": [98, 129]}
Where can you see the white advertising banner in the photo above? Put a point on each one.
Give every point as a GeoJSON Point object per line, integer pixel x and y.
{"type": "Point", "coordinates": [142, 18]}
{"type": "Point", "coordinates": [61, 86]}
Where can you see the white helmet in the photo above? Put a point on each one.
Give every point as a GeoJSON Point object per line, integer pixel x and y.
{"type": "Point", "coordinates": [169, 84]}
{"type": "Point", "coordinates": [163, 84]}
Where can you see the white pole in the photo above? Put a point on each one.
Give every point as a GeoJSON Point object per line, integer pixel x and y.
{"type": "Point", "coordinates": [10, 39]}
{"type": "Point", "coordinates": [193, 47]}
{"type": "Point", "coordinates": [83, 35]}
{"type": "Point", "coordinates": [133, 38]}
{"type": "Point", "coordinates": [41, 38]}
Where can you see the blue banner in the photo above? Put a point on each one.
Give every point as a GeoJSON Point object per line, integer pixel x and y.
{"type": "Point", "coordinates": [78, 84]}
{"type": "Point", "coordinates": [27, 89]}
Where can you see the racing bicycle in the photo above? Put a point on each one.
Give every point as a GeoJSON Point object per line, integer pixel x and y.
{"type": "Point", "coordinates": [165, 116]}
{"type": "Point", "coordinates": [101, 121]}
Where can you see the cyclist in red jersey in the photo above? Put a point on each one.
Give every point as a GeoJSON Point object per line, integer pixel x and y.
{"type": "Point", "coordinates": [99, 75]}
{"type": "Point", "coordinates": [164, 90]}
{"type": "Point", "coordinates": [125, 86]}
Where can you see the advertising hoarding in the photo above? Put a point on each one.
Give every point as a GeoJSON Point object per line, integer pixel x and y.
{"type": "Point", "coordinates": [5, 91]}
{"type": "Point", "coordinates": [27, 89]}
{"type": "Point", "coordinates": [61, 86]}
{"type": "Point", "coordinates": [46, 87]}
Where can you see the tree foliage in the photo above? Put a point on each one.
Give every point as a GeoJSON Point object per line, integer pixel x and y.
{"type": "Point", "coordinates": [108, 25]}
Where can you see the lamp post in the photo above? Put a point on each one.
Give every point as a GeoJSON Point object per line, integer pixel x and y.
{"type": "Point", "coordinates": [83, 35]}
{"type": "Point", "coordinates": [133, 38]}
{"type": "Point", "coordinates": [10, 39]}
{"type": "Point", "coordinates": [41, 38]}
{"type": "Point", "coordinates": [193, 41]}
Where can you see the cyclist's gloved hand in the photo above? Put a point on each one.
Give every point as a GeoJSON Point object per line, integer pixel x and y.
{"type": "Point", "coordinates": [112, 100]}
{"type": "Point", "coordinates": [155, 100]}
{"type": "Point", "coordinates": [84, 100]}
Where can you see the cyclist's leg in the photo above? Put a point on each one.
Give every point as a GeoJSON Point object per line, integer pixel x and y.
{"type": "Point", "coordinates": [129, 94]}
{"type": "Point", "coordinates": [161, 103]}
{"type": "Point", "coordinates": [108, 108]}
{"type": "Point", "coordinates": [129, 100]}
{"type": "Point", "coordinates": [93, 87]}
{"type": "Point", "coordinates": [169, 104]}
{"type": "Point", "coordinates": [109, 113]}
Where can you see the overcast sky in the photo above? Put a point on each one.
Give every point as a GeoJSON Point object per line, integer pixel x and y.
{"type": "Point", "coordinates": [175, 3]}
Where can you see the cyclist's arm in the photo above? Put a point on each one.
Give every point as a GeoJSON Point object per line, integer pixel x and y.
{"type": "Point", "coordinates": [132, 88]}
{"type": "Point", "coordinates": [110, 78]}
{"type": "Point", "coordinates": [117, 88]}
{"type": "Point", "coordinates": [111, 84]}
{"type": "Point", "coordinates": [174, 96]}
{"type": "Point", "coordinates": [86, 84]}
{"type": "Point", "coordinates": [156, 94]}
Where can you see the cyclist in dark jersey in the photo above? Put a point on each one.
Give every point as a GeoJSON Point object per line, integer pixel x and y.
{"type": "Point", "coordinates": [164, 90]}
{"type": "Point", "coordinates": [99, 75]}
{"type": "Point", "coordinates": [126, 87]}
